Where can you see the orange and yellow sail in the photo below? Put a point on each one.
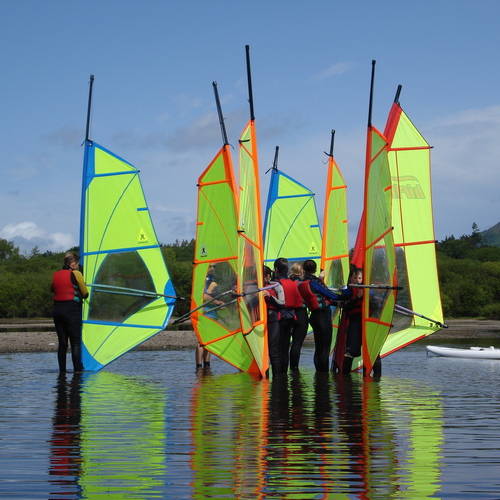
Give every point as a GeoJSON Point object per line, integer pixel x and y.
{"type": "Point", "coordinates": [250, 253]}
{"type": "Point", "coordinates": [374, 250]}
{"type": "Point", "coordinates": [412, 219]}
{"type": "Point", "coordinates": [216, 265]}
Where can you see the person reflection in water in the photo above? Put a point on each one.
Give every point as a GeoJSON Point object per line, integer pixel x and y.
{"type": "Point", "coordinates": [65, 452]}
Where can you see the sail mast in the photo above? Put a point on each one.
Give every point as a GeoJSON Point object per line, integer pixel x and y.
{"type": "Point", "coordinates": [370, 105]}
{"type": "Point", "coordinates": [89, 108]}
{"type": "Point", "coordinates": [332, 144]}
{"type": "Point", "coordinates": [221, 116]}
{"type": "Point", "coordinates": [275, 161]}
{"type": "Point", "coordinates": [249, 78]}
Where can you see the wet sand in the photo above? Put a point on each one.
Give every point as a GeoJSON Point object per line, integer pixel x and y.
{"type": "Point", "coordinates": [16, 339]}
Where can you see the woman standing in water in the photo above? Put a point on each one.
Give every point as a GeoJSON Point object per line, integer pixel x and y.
{"type": "Point", "coordinates": [69, 291]}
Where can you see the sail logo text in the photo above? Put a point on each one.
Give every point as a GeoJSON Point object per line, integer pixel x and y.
{"type": "Point", "coordinates": [407, 186]}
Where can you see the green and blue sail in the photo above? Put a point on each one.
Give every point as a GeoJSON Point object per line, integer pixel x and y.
{"type": "Point", "coordinates": [131, 293]}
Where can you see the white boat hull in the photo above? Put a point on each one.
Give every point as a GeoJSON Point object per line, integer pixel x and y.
{"type": "Point", "coordinates": [472, 352]}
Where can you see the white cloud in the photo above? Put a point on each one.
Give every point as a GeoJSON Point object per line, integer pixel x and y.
{"type": "Point", "coordinates": [27, 235]}
{"type": "Point", "coordinates": [335, 69]}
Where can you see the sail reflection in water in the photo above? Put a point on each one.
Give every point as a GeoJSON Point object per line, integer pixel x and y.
{"type": "Point", "coordinates": [109, 437]}
{"type": "Point", "coordinates": [233, 436]}
{"type": "Point", "coordinates": [352, 437]}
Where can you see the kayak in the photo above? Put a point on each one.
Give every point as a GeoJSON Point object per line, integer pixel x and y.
{"type": "Point", "coordinates": [472, 352]}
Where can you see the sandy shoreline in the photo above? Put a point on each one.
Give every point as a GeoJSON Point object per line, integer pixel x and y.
{"type": "Point", "coordinates": [16, 340]}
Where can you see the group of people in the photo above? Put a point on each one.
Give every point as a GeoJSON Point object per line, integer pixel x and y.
{"type": "Point", "coordinates": [298, 299]}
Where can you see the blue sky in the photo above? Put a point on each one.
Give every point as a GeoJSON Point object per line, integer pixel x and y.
{"type": "Point", "coordinates": [154, 63]}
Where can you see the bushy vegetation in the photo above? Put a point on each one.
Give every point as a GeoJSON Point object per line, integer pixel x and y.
{"type": "Point", "coordinates": [469, 275]}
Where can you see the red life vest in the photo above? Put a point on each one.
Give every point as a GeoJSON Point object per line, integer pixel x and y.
{"type": "Point", "coordinates": [293, 298]}
{"type": "Point", "coordinates": [313, 301]}
{"type": "Point", "coordinates": [270, 303]}
{"type": "Point", "coordinates": [63, 287]}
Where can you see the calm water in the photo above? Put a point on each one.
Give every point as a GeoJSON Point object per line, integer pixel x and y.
{"type": "Point", "coordinates": [149, 426]}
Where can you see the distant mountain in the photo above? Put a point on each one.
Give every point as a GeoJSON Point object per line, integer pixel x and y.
{"type": "Point", "coordinates": [492, 235]}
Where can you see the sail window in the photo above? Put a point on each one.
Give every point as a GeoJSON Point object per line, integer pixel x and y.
{"type": "Point", "coordinates": [126, 279]}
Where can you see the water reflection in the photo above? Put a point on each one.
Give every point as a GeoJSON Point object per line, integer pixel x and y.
{"type": "Point", "coordinates": [228, 431]}
{"type": "Point", "coordinates": [348, 436]}
{"type": "Point", "coordinates": [108, 437]}
{"type": "Point", "coordinates": [65, 451]}
{"type": "Point", "coordinates": [304, 436]}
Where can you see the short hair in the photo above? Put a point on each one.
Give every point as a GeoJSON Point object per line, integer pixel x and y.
{"type": "Point", "coordinates": [71, 257]}
{"type": "Point", "coordinates": [281, 265]}
{"type": "Point", "coordinates": [267, 271]}
{"type": "Point", "coordinates": [355, 272]}
{"type": "Point", "coordinates": [310, 266]}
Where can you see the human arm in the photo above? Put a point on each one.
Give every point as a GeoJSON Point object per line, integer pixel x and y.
{"type": "Point", "coordinates": [81, 284]}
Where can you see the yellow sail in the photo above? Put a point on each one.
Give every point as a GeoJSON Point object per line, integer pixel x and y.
{"type": "Point", "coordinates": [414, 241]}
{"type": "Point", "coordinates": [216, 266]}
{"type": "Point", "coordinates": [250, 254]}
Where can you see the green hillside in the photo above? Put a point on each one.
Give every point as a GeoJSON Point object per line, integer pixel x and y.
{"type": "Point", "coordinates": [492, 236]}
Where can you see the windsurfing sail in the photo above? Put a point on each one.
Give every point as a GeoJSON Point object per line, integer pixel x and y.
{"type": "Point", "coordinates": [131, 293]}
{"type": "Point", "coordinates": [291, 226]}
{"type": "Point", "coordinates": [335, 246]}
{"type": "Point", "coordinates": [250, 252]}
{"type": "Point", "coordinates": [414, 241]}
{"type": "Point", "coordinates": [216, 262]}
{"type": "Point", "coordinates": [374, 251]}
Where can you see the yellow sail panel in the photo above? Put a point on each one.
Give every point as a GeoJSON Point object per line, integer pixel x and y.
{"type": "Point", "coordinates": [379, 264]}
{"type": "Point", "coordinates": [250, 254]}
{"type": "Point", "coordinates": [111, 465]}
{"type": "Point", "coordinates": [131, 294]}
{"type": "Point", "coordinates": [215, 274]}
{"type": "Point", "coordinates": [335, 246]}
{"type": "Point", "coordinates": [412, 214]}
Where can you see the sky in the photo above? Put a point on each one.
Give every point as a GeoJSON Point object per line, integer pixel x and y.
{"type": "Point", "coordinates": [154, 62]}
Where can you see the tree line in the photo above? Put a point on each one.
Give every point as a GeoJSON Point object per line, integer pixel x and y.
{"type": "Point", "coordinates": [468, 268]}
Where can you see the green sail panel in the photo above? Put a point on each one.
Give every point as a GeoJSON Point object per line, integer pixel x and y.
{"type": "Point", "coordinates": [131, 293]}
{"type": "Point", "coordinates": [291, 226]}
{"type": "Point", "coordinates": [250, 251]}
{"type": "Point", "coordinates": [216, 265]}
{"type": "Point", "coordinates": [412, 215]}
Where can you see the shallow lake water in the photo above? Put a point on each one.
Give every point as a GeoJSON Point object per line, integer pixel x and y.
{"type": "Point", "coordinates": [150, 426]}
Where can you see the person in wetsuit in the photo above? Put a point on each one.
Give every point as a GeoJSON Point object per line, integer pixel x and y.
{"type": "Point", "coordinates": [69, 290]}
{"type": "Point", "coordinates": [318, 298]}
{"type": "Point", "coordinates": [275, 302]}
{"type": "Point", "coordinates": [301, 322]}
{"type": "Point", "coordinates": [354, 336]}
